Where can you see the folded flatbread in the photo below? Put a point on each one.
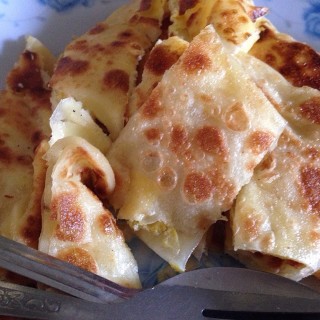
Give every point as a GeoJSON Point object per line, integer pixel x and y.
{"type": "Point", "coordinates": [184, 155]}
{"type": "Point", "coordinates": [296, 61]}
{"type": "Point", "coordinates": [76, 225]}
{"type": "Point", "coordinates": [162, 56]}
{"type": "Point", "coordinates": [236, 21]}
{"type": "Point", "coordinates": [24, 122]}
{"type": "Point", "coordinates": [99, 68]}
{"type": "Point", "coordinates": [275, 220]}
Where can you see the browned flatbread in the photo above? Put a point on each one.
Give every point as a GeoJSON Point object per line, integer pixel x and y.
{"type": "Point", "coordinates": [199, 123]}
{"type": "Point", "coordinates": [76, 224]}
{"type": "Point", "coordinates": [275, 220]}
{"type": "Point", "coordinates": [162, 56]}
{"type": "Point", "coordinates": [236, 21]}
{"type": "Point", "coordinates": [296, 61]}
{"type": "Point", "coordinates": [184, 155]}
{"type": "Point", "coordinates": [24, 114]}
{"type": "Point", "coordinates": [24, 122]}
{"type": "Point", "coordinates": [99, 67]}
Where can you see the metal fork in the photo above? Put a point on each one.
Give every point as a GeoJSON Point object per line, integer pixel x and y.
{"type": "Point", "coordinates": [225, 293]}
{"type": "Point", "coordinates": [161, 303]}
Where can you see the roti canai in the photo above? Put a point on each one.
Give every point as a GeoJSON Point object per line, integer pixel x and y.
{"type": "Point", "coordinates": [184, 155]}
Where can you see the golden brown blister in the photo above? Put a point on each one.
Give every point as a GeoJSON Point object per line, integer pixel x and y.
{"type": "Point", "coordinates": [29, 225]}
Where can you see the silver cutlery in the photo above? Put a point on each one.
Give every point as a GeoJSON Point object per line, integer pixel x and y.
{"type": "Point", "coordinates": [225, 293]}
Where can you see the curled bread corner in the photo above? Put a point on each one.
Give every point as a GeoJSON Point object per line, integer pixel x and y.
{"type": "Point", "coordinates": [47, 59]}
{"type": "Point", "coordinates": [77, 225]}
{"type": "Point", "coordinates": [71, 119]}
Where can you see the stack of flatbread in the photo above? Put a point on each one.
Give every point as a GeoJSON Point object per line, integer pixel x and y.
{"type": "Point", "coordinates": [168, 116]}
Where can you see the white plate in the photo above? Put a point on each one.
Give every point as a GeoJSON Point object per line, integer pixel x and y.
{"type": "Point", "coordinates": [56, 22]}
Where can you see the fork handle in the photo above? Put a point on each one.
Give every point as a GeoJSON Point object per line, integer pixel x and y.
{"type": "Point", "coordinates": [30, 303]}
{"type": "Point", "coordinates": [161, 302]}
